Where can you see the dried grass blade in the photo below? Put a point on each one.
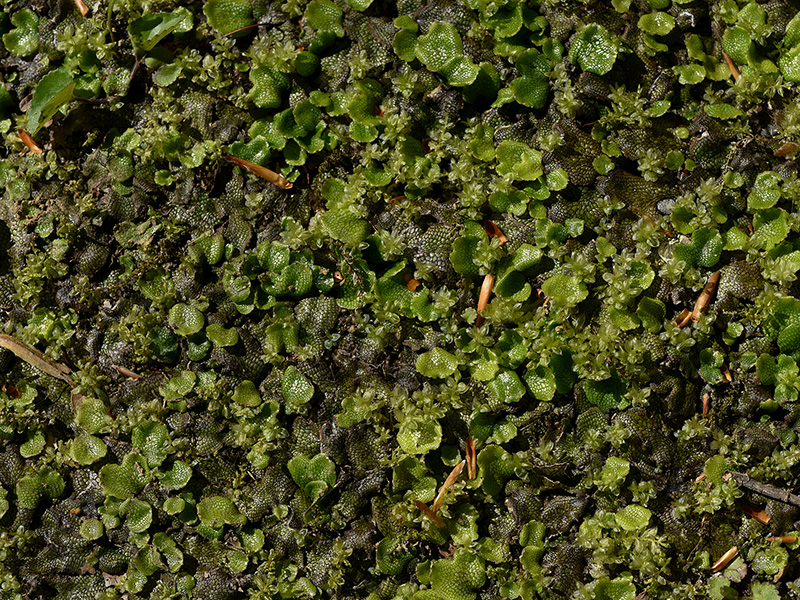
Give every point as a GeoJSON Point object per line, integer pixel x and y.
{"type": "Point", "coordinates": [724, 560]}
{"type": "Point", "coordinates": [127, 372]}
{"type": "Point", "coordinates": [437, 504]}
{"type": "Point", "coordinates": [483, 299]}
{"type": "Point", "coordinates": [260, 171]}
{"type": "Point", "coordinates": [25, 137]}
{"type": "Point", "coordinates": [787, 149]}
{"type": "Point", "coordinates": [493, 230]}
{"type": "Point", "coordinates": [683, 318]}
{"type": "Point", "coordinates": [705, 296]}
{"type": "Point", "coordinates": [37, 359]}
{"type": "Point", "coordinates": [732, 66]}
{"type": "Point", "coordinates": [471, 459]}
{"type": "Point", "coordinates": [430, 514]}
{"type": "Point", "coordinates": [759, 514]}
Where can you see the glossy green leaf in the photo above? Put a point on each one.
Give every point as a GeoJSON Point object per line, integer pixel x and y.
{"type": "Point", "coordinates": [145, 32]}
{"type": "Point", "coordinates": [51, 93]}
{"type": "Point", "coordinates": [594, 49]}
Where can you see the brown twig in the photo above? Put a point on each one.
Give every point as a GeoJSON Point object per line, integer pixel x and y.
{"type": "Point", "coordinates": [765, 489]}
{"type": "Point", "coordinates": [260, 171]}
{"type": "Point", "coordinates": [37, 359]}
{"type": "Point", "coordinates": [82, 7]}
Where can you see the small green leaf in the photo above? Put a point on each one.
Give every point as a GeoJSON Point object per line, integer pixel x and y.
{"type": "Point", "coordinates": [496, 466]}
{"type": "Point", "coordinates": [315, 476]}
{"type": "Point", "coordinates": [176, 477]}
{"type": "Point", "coordinates": [715, 468]}
{"type": "Point", "coordinates": [541, 383]}
{"type": "Point", "coordinates": [531, 91]}
{"type": "Point", "coordinates": [419, 437]}
{"type": "Point", "coordinates": [360, 5]}
{"type": "Point", "coordinates": [296, 388]}
{"type": "Point", "coordinates": [216, 511]}
{"type": "Point", "coordinates": [166, 75]}
{"type": "Point", "coordinates": [92, 415]}
{"type": "Point", "coordinates": [268, 86]}
{"type": "Point", "coordinates": [52, 92]}
{"type": "Point", "coordinates": [507, 387]}
{"type": "Point", "coordinates": [771, 227]}
{"type": "Point", "coordinates": [324, 16]}
{"type": "Point", "coordinates": [439, 46]}
{"type": "Point", "coordinates": [138, 515]}
{"type": "Point", "coordinates": [657, 23]}
{"type": "Point", "coordinates": [518, 160]}
{"type": "Point", "coordinates": [766, 191]}
{"type": "Point", "coordinates": [145, 32]}
{"type": "Point", "coordinates": [437, 363]}
{"type": "Point", "coordinates": [221, 336]}
{"type": "Point", "coordinates": [594, 49]}
{"type": "Point", "coordinates": [404, 44]}
{"type": "Point", "coordinates": [227, 16]}
{"type": "Point", "coordinates": [151, 438]}
{"type": "Point", "coordinates": [91, 529]}
{"type": "Point", "coordinates": [126, 479]}
{"type": "Point", "coordinates": [614, 471]}
{"type": "Point", "coordinates": [34, 444]}
{"type": "Point", "coordinates": [633, 517]}
{"type": "Point", "coordinates": [460, 71]}
{"type": "Point", "coordinates": [87, 449]}
{"type": "Point", "coordinates": [565, 291]}
{"type": "Point", "coordinates": [23, 40]}
{"type": "Point", "coordinates": [185, 319]}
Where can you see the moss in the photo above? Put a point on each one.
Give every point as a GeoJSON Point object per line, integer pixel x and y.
{"type": "Point", "coordinates": [259, 367]}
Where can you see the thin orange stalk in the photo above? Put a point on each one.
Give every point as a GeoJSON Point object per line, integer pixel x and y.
{"type": "Point", "coordinates": [430, 514]}
{"type": "Point", "coordinates": [127, 372]}
{"type": "Point", "coordinates": [683, 318]}
{"type": "Point", "coordinates": [411, 283]}
{"type": "Point", "coordinates": [732, 66]}
{"type": "Point", "coordinates": [472, 466]}
{"type": "Point", "coordinates": [783, 539]}
{"type": "Point", "coordinates": [262, 172]}
{"type": "Point", "coordinates": [242, 29]}
{"type": "Point", "coordinates": [32, 146]}
{"type": "Point", "coordinates": [705, 296]}
{"type": "Point", "coordinates": [759, 514]}
{"type": "Point", "coordinates": [82, 7]}
{"type": "Point", "coordinates": [437, 504]}
{"type": "Point", "coordinates": [724, 560]}
{"type": "Point", "coordinates": [493, 230]}
{"type": "Point", "coordinates": [483, 299]}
